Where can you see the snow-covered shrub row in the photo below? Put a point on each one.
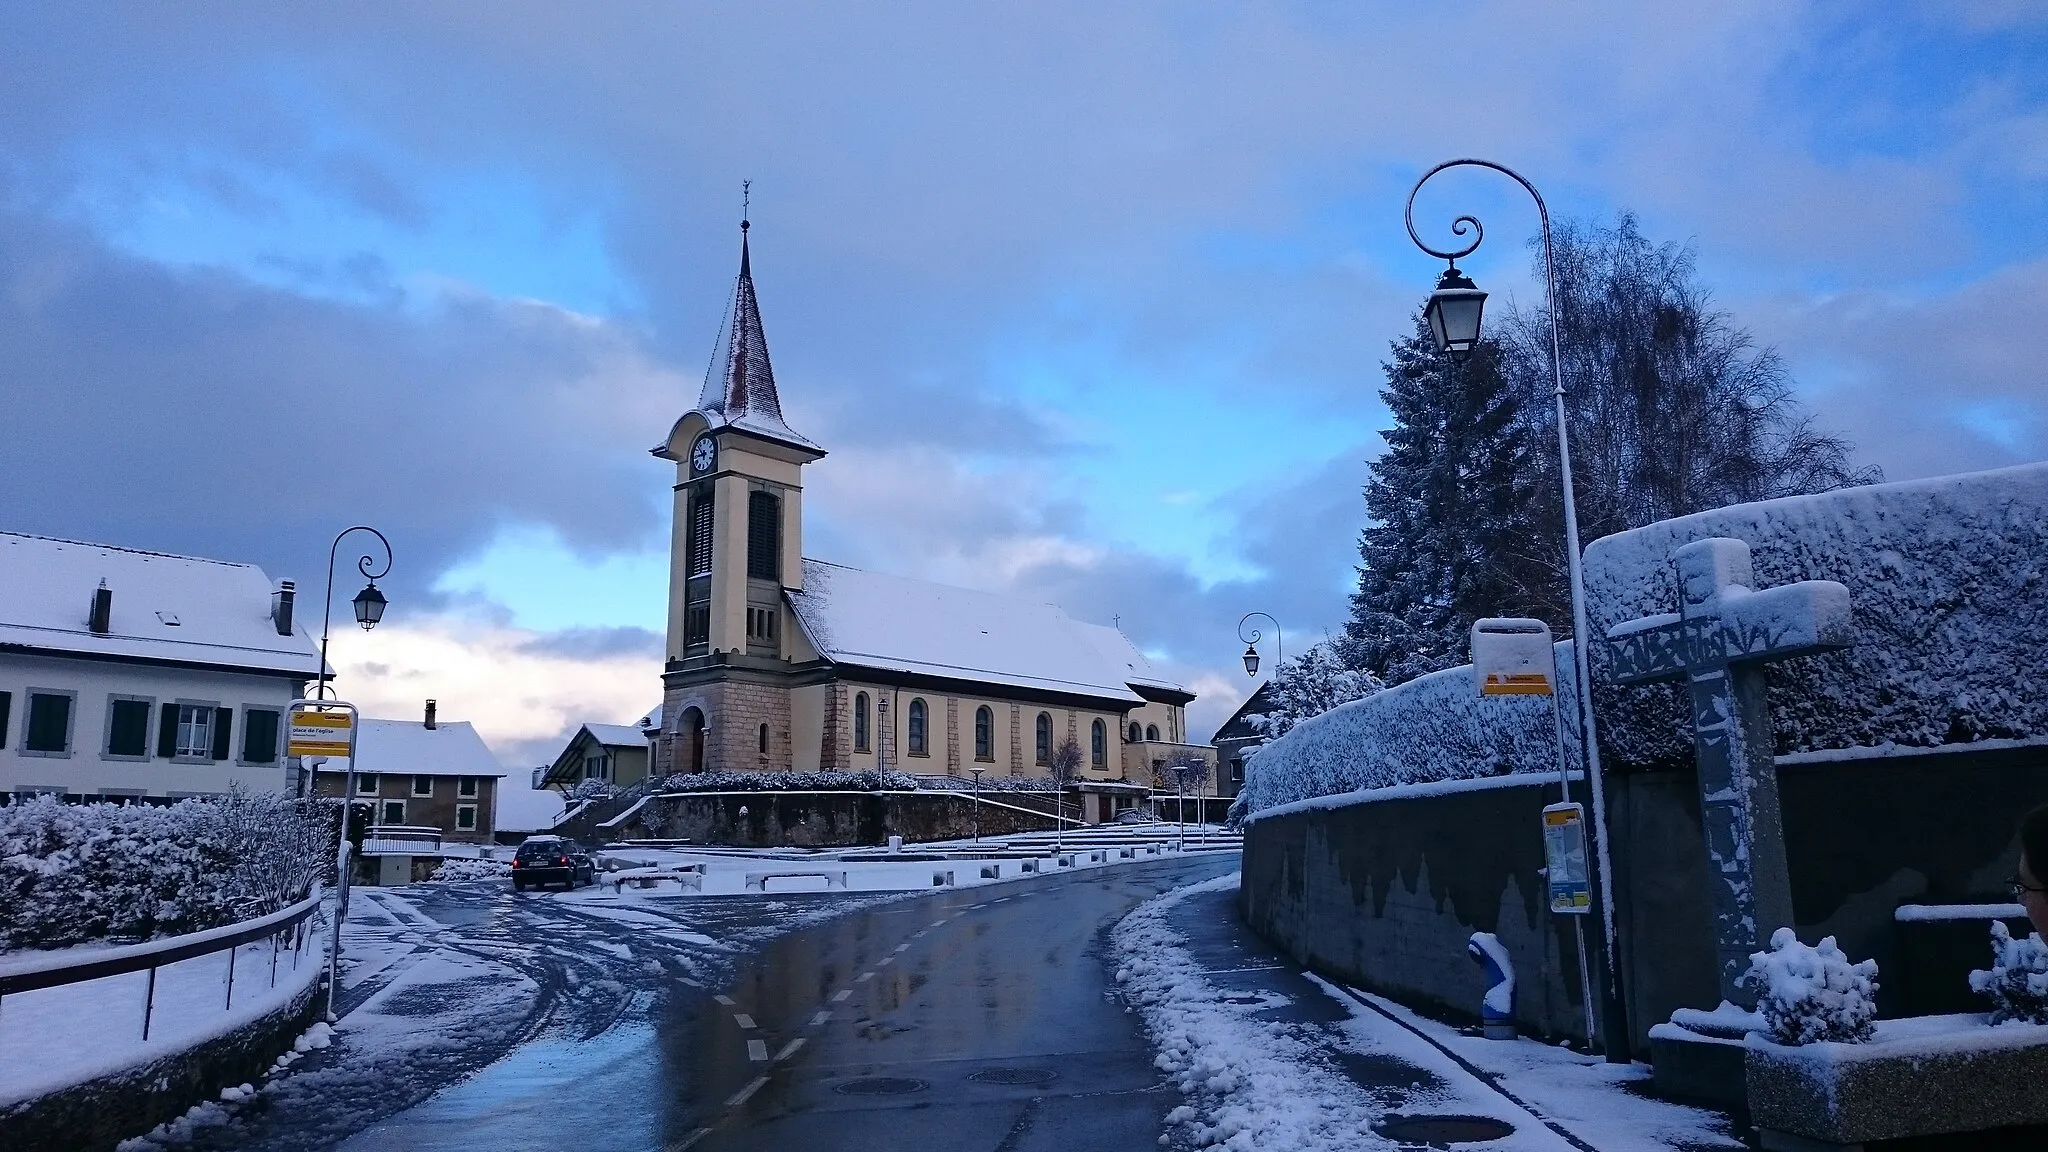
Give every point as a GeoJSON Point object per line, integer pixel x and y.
{"type": "Point", "coordinates": [2018, 980]}
{"type": "Point", "coordinates": [590, 790]}
{"type": "Point", "coordinates": [1019, 783]}
{"type": "Point", "coordinates": [1435, 727]}
{"type": "Point", "coordinates": [869, 780]}
{"type": "Point", "coordinates": [463, 868]}
{"type": "Point", "coordinates": [1812, 995]}
{"type": "Point", "coordinates": [75, 873]}
{"type": "Point", "coordinates": [1947, 580]}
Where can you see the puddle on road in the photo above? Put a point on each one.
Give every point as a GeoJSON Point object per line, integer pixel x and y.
{"type": "Point", "coordinates": [528, 1100]}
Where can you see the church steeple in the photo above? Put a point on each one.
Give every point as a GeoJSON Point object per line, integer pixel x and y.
{"type": "Point", "coordinates": [739, 386]}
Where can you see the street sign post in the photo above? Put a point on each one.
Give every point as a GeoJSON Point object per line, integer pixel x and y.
{"type": "Point", "coordinates": [320, 729]}
{"type": "Point", "coordinates": [1564, 854]}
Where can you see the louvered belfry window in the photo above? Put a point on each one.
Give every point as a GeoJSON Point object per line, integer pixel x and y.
{"type": "Point", "coordinates": [764, 536]}
{"type": "Point", "coordinates": [700, 535]}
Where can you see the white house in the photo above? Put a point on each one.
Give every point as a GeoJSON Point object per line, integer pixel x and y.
{"type": "Point", "coordinates": [128, 674]}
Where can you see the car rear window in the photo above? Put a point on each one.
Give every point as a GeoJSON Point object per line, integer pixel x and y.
{"type": "Point", "coordinates": [545, 848]}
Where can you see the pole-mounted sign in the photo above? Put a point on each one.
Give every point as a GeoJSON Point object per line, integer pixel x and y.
{"type": "Point", "coordinates": [1564, 852]}
{"type": "Point", "coordinates": [1513, 657]}
{"type": "Point", "coordinates": [321, 733]}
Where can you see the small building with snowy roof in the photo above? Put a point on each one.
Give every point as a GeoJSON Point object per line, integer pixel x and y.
{"type": "Point", "coordinates": [613, 753]}
{"type": "Point", "coordinates": [780, 662]}
{"type": "Point", "coordinates": [130, 674]}
{"type": "Point", "coordinates": [421, 779]}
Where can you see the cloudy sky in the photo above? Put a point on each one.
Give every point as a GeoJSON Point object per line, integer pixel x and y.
{"type": "Point", "coordinates": [1087, 300]}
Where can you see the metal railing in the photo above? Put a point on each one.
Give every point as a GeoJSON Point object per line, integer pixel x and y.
{"type": "Point", "coordinates": [287, 930]}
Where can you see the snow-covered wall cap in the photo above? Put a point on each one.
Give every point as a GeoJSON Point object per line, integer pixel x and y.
{"type": "Point", "coordinates": [894, 624]}
{"type": "Point", "coordinates": [165, 607]}
{"type": "Point", "coordinates": [410, 748]}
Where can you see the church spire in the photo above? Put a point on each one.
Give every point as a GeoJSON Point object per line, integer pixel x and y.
{"type": "Point", "coordinates": [739, 386]}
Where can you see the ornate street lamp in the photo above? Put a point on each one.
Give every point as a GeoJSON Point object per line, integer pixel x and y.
{"type": "Point", "coordinates": [1453, 313]}
{"type": "Point", "coordinates": [1251, 643]}
{"type": "Point", "coordinates": [369, 603]}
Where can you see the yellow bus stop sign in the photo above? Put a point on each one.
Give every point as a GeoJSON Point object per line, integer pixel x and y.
{"type": "Point", "coordinates": [320, 733]}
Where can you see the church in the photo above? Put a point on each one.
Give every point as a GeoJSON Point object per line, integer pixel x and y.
{"type": "Point", "coordinates": [780, 662]}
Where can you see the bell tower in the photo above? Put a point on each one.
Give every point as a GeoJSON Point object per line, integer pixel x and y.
{"type": "Point", "coordinates": [736, 546]}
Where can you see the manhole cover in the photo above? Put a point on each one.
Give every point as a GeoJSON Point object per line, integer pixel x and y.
{"type": "Point", "coordinates": [880, 1086]}
{"type": "Point", "coordinates": [1015, 1076]}
{"type": "Point", "coordinates": [1443, 1131]}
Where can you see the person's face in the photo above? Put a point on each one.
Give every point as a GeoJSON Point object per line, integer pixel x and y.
{"type": "Point", "coordinates": [2032, 897]}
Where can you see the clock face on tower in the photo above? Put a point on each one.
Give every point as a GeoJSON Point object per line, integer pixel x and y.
{"type": "Point", "coordinates": [703, 454]}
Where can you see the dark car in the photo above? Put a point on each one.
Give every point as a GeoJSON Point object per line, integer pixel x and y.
{"type": "Point", "coordinates": [551, 860]}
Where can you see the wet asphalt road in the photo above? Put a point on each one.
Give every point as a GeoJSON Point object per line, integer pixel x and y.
{"type": "Point", "coordinates": [975, 1019]}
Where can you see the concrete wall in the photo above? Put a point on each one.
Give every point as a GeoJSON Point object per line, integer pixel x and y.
{"type": "Point", "coordinates": [828, 819]}
{"type": "Point", "coordinates": [1384, 894]}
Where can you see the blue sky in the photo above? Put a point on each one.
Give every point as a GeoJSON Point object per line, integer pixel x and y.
{"type": "Point", "coordinates": [1088, 304]}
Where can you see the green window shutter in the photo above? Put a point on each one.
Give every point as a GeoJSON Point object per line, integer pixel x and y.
{"type": "Point", "coordinates": [259, 736]}
{"type": "Point", "coordinates": [6, 706]}
{"type": "Point", "coordinates": [49, 723]}
{"type": "Point", "coordinates": [223, 731]}
{"type": "Point", "coordinates": [167, 732]}
{"type": "Point", "coordinates": [128, 728]}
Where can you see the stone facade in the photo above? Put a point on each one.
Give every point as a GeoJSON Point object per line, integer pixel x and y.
{"type": "Point", "coordinates": [734, 711]}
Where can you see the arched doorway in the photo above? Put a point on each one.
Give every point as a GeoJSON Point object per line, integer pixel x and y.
{"type": "Point", "coordinates": [692, 732]}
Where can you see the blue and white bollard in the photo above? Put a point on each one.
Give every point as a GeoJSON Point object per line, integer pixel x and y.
{"type": "Point", "coordinates": [1497, 1007]}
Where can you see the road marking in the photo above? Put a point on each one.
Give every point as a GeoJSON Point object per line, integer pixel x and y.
{"type": "Point", "coordinates": [1000, 900]}
{"type": "Point", "coordinates": [885, 961]}
{"type": "Point", "coordinates": [722, 998]}
{"type": "Point", "coordinates": [822, 1016]}
{"type": "Point", "coordinates": [790, 1048]}
{"type": "Point", "coordinates": [687, 1141]}
{"type": "Point", "coordinates": [864, 977]}
{"type": "Point", "coordinates": [757, 1050]}
{"type": "Point", "coordinates": [976, 907]}
{"type": "Point", "coordinates": [740, 1097]}
{"type": "Point", "coordinates": [840, 996]}
{"type": "Point", "coordinates": [940, 923]}
{"type": "Point", "coordinates": [743, 1020]}
{"type": "Point", "coordinates": [902, 948]}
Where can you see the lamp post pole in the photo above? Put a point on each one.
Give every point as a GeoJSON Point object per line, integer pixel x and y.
{"type": "Point", "coordinates": [1453, 313]}
{"type": "Point", "coordinates": [1251, 644]}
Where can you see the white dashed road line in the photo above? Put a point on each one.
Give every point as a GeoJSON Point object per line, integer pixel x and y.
{"type": "Point", "coordinates": [757, 1050]}
{"type": "Point", "coordinates": [740, 1097]}
{"type": "Point", "coordinates": [724, 1000]}
{"type": "Point", "coordinates": [864, 977]}
{"type": "Point", "coordinates": [822, 1016]}
{"type": "Point", "coordinates": [789, 1048]}
{"type": "Point", "coordinates": [743, 1020]}
{"type": "Point", "coordinates": [840, 996]}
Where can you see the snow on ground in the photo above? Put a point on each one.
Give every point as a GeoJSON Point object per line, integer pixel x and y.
{"type": "Point", "coordinates": [1254, 1078]}
{"type": "Point", "coordinates": [52, 1038]}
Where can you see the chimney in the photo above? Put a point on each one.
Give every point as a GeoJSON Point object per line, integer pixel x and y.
{"type": "Point", "coordinates": [102, 618]}
{"type": "Point", "coordinates": [281, 606]}
{"type": "Point", "coordinates": [430, 714]}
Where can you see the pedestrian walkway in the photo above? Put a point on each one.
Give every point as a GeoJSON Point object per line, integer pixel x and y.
{"type": "Point", "coordinates": [1429, 1084]}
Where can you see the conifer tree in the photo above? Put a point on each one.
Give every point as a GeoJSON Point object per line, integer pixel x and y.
{"type": "Point", "coordinates": [1452, 523]}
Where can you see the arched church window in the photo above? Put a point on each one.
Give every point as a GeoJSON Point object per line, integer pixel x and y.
{"type": "Point", "coordinates": [1151, 731]}
{"type": "Point", "coordinates": [1137, 733]}
{"type": "Point", "coordinates": [1098, 745]}
{"type": "Point", "coordinates": [764, 739]}
{"type": "Point", "coordinates": [764, 536]}
{"type": "Point", "coordinates": [860, 721]}
{"type": "Point", "coordinates": [984, 734]}
{"type": "Point", "coordinates": [917, 726]}
{"type": "Point", "coordinates": [1044, 738]}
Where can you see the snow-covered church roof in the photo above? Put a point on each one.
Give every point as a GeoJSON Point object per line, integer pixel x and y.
{"type": "Point", "coordinates": [895, 624]}
{"type": "Point", "coordinates": [180, 609]}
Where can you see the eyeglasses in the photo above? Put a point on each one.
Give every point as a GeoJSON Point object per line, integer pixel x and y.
{"type": "Point", "coordinates": [2019, 888]}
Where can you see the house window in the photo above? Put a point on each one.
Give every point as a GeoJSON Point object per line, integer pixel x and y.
{"type": "Point", "coordinates": [698, 547]}
{"type": "Point", "coordinates": [465, 817]}
{"type": "Point", "coordinates": [49, 723]}
{"type": "Point", "coordinates": [366, 784]}
{"type": "Point", "coordinates": [195, 732]}
{"type": "Point", "coordinates": [1044, 738]}
{"type": "Point", "coordinates": [984, 734]}
{"type": "Point", "coordinates": [1137, 733]}
{"type": "Point", "coordinates": [128, 726]}
{"type": "Point", "coordinates": [1151, 731]}
{"type": "Point", "coordinates": [1237, 769]}
{"type": "Point", "coordinates": [764, 536]}
{"type": "Point", "coordinates": [466, 786]}
{"type": "Point", "coordinates": [761, 623]}
{"type": "Point", "coordinates": [1098, 745]}
{"type": "Point", "coordinates": [423, 785]}
{"type": "Point", "coordinates": [259, 736]}
{"type": "Point", "coordinates": [860, 721]}
{"type": "Point", "coordinates": [6, 712]}
{"type": "Point", "coordinates": [598, 767]}
{"type": "Point", "coordinates": [917, 729]}
{"type": "Point", "coordinates": [697, 622]}
{"type": "Point", "coordinates": [393, 812]}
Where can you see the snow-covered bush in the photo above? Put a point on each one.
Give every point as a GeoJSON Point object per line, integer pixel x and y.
{"type": "Point", "coordinates": [1309, 685]}
{"type": "Point", "coordinates": [462, 868]}
{"type": "Point", "coordinates": [1435, 727]}
{"type": "Point", "coordinates": [74, 873]}
{"type": "Point", "coordinates": [869, 780]}
{"type": "Point", "coordinates": [1811, 995]}
{"type": "Point", "coordinates": [591, 790]}
{"type": "Point", "coordinates": [2018, 980]}
{"type": "Point", "coordinates": [1019, 783]}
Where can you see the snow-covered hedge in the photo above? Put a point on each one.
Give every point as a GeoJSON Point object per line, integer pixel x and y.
{"type": "Point", "coordinates": [1949, 581]}
{"type": "Point", "coordinates": [865, 781]}
{"type": "Point", "coordinates": [462, 868]}
{"type": "Point", "coordinates": [76, 873]}
{"type": "Point", "coordinates": [2018, 980]}
{"type": "Point", "coordinates": [1435, 727]}
{"type": "Point", "coordinates": [1812, 995]}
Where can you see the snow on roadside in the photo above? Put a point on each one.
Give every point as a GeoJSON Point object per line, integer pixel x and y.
{"type": "Point", "coordinates": [1249, 1084]}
